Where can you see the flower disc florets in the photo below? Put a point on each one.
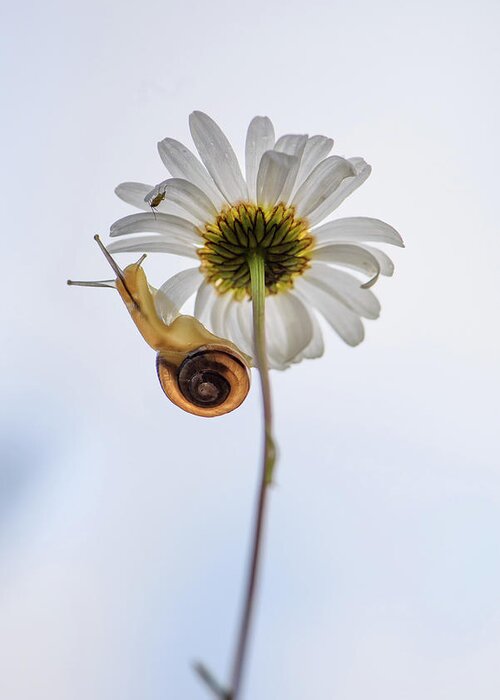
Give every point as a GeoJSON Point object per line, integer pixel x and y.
{"type": "Point", "coordinates": [276, 233]}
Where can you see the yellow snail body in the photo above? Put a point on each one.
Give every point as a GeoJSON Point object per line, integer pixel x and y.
{"type": "Point", "coordinates": [201, 373]}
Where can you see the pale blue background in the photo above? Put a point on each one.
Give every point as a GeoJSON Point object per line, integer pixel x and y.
{"type": "Point", "coordinates": [123, 522]}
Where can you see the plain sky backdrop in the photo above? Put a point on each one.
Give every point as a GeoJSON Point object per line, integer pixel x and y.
{"type": "Point", "coordinates": [124, 522]}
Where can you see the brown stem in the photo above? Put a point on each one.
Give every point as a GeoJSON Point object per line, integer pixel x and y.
{"type": "Point", "coordinates": [257, 275]}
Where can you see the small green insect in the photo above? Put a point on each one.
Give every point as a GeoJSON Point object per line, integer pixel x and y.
{"type": "Point", "coordinates": [156, 200]}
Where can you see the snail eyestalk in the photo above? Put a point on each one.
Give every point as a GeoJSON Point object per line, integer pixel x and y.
{"type": "Point", "coordinates": [99, 283]}
{"type": "Point", "coordinates": [114, 265]}
{"type": "Point", "coordinates": [198, 371]}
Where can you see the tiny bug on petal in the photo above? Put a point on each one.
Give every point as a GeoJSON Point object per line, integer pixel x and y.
{"type": "Point", "coordinates": [155, 201]}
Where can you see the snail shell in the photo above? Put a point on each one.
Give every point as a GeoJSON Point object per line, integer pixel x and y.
{"type": "Point", "coordinates": [210, 381]}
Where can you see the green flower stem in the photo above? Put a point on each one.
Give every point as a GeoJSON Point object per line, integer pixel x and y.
{"type": "Point", "coordinates": [258, 287]}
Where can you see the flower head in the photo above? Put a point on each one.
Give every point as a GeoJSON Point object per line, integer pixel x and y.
{"type": "Point", "coordinates": [209, 212]}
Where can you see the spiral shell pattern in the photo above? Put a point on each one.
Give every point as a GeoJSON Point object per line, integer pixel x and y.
{"type": "Point", "coordinates": [209, 382]}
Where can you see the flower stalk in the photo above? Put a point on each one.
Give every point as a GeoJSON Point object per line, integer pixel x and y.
{"type": "Point", "coordinates": [256, 264]}
{"type": "Point", "coordinates": [257, 278]}
{"type": "Point", "coordinates": [257, 238]}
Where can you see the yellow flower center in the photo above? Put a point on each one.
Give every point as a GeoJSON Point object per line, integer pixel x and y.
{"type": "Point", "coordinates": [283, 240]}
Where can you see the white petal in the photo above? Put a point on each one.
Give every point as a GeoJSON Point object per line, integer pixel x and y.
{"type": "Point", "coordinates": [292, 145]}
{"type": "Point", "coordinates": [205, 297]}
{"type": "Point", "coordinates": [172, 226]}
{"type": "Point", "coordinates": [316, 346]}
{"type": "Point", "coordinates": [356, 228]}
{"type": "Point", "coordinates": [260, 138]}
{"type": "Point", "coordinates": [276, 338]}
{"type": "Point", "coordinates": [345, 288]}
{"type": "Point", "coordinates": [188, 196]}
{"type": "Point", "coordinates": [181, 162]}
{"type": "Point", "coordinates": [218, 314]}
{"type": "Point", "coordinates": [347, 324]}
{"type": "Point", "coordinates": [385, 263]}
{"type": "Point", "coordinates": [218, 156]}
{"type": "Point", "coordinates": [289, 328]}
{"type": "Point", "coordinates": [245, 322]}
{"type": "Point", "coordinates": [153, 244]}
{"type": "Point", "coordinates": [273, 173]}
{"type": "Point", "coordinates": [274, 332]}
{"type": "Point", "coordinates": [320, 184]}
{"type": "Point", "coordinates": [172, 295]}
{"type": "Point", "coordinates": [133, 193]}
{"type": "Point", "coordinates": [316, 149]}
{"type": "Point", "coordinates": [348, 255]}
{"type": "Point", "coordinates": [235, 331]}
{"type": "Point", "coordinates": [346, 187]}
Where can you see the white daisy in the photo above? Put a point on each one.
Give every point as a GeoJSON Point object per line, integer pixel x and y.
{"type": "Point", "coordinates": [211, 213]}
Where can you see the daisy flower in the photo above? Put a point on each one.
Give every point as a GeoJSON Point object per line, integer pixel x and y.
{"type": "Point", "coordinates": [209, 212]}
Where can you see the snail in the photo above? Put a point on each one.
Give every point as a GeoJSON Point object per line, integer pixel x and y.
{"type": "Point", "coordinates": [201, 373]}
